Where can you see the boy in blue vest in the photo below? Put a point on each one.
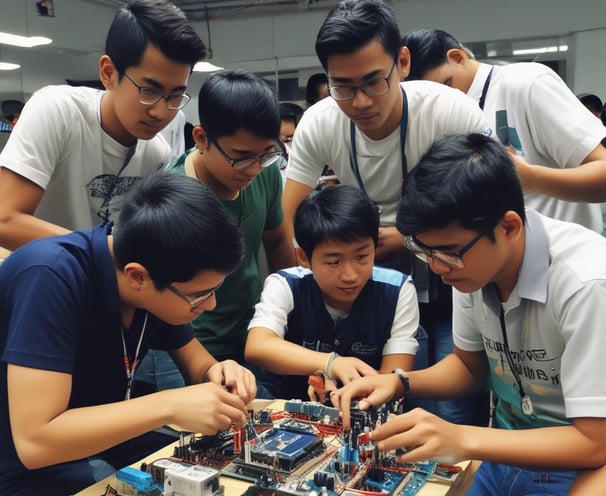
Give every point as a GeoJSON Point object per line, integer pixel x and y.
{"type": "Point", "coordinates": [335, 314]}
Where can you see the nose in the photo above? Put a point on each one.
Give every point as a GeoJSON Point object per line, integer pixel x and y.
{"type": "Point", "coordinates": [438, 267]}
{"type": "Point", "coordinates": [160, 111]}
{"type": "Point", "coordinates": [361, 99]}
{"type": "Point", "coordinates": [206, 306]}
{"type": "Point", "coordinates": [348, 273]}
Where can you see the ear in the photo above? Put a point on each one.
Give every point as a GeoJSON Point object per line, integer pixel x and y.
{"type": "Point", "coordinates": [200, 137]}
{"type": "Point", "coordinates": [107, 71]}
{"type": "Point", "coordinates": [302, 258]}
{"type": "Point", "coordinates": [136, 275]}
{"type": "Point", "coordinates": [456, 56]}
{"type": "Point", "coordinates": [511, 225]}
{"type": "Point", "coordinates": [403, 62]}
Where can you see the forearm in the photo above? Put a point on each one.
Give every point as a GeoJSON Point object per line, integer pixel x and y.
{"type": "Point", "coordinates": [548, 448]}
{"type": "Point", "coordinates": [447, 379]}
{"type": "Point", "coordinates": [82, 432]}
{"type": "Point", "coordinates": [283, 357]}
{"type": "Point", "coordinates": [586, 183]}
{"type": "Point", "coordinates": [17, 228]}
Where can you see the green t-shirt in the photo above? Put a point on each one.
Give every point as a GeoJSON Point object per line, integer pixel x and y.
{"type": "Point", "coordinates": [258, 208]}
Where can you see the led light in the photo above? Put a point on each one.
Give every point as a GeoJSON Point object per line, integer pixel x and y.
{"type": "Point", "coordinates": [206, 67]}
{"type": "Point", "coordinates": [6, 66]}
{"type": "Point", "coordinates": [23, 41]}
{"type": "Point", "coordinates": [550, 49]}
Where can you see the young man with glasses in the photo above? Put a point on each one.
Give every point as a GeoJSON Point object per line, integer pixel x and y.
{"type": "Point", "coordinates": [371, 131]}
{"type": "Point", "coordinates": [528, 296]}
{"type": "Point", "coordinates": [78, 312]}
{"type": "Point", "coordinates": [77, 151]}
{"type": "Point", "coordinates": [237, 156]}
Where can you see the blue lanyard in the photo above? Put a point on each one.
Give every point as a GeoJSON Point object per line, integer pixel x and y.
{"type": "Point", "coordinates": [485, 89]}
{"type": "Point", "coordinates": [403, 129]}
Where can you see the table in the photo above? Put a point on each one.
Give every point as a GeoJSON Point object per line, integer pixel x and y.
{"type": "Point", "coordinates": [236, 487]}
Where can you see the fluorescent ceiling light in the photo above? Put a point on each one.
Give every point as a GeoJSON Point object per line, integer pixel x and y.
{"type": "Point", "coordinates": [550, 49]}
{"type": "Point", "coordinates": [23, 41]}
{"type": "Point", "coordinates": [206, 67]}
{"type": "Point", "coordinates": [6, 66]}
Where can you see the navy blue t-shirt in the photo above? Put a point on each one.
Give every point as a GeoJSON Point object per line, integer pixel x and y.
{"type": "Point", "coordinates": [60, 311]}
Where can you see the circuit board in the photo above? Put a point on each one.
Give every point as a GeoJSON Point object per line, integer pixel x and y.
{"type": "Point", "coordinates": [303, 450]}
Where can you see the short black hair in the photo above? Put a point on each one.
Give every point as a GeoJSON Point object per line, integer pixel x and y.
{"type": "Point", "coordinates": [469, 179]}
{"type": "Point", "coordinates": [353, 24]}
{"type": "Point", "coordinates": [237, 99]}
{"type": "Point", "coordinates": [175, 227]}
{"type": "Point", "coordinates": [159, 22]}
{"type": "Point", "coordinates": [336, 213]}
{"type": "Point", "coordinates": [312, 89]}
{"type": "Point", "coordinates": [428, 49]}
{"type": "Point", "coordinates": [291, 112]}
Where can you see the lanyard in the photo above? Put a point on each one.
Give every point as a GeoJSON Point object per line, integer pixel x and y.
{"type": "Point", "coordinates": [525, 402]}
{"type": "Point", "coordinates": [353, 160]}
{"type": "Point", "coordinates": [485, 89]}
{"type": "Point", "coordinates": [129, 366]}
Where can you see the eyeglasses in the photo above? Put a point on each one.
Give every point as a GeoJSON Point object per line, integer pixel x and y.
{"type": "Point", "coordinates": [375, 87]}
{"type": "Point", "coordinates": [452, 259]}
{"type": "Point", "coordinates": [264, 160]}
{"type": "Point", "coordinates": [151, 96]}
{"type": "Point", "coordinates": [198, 300]}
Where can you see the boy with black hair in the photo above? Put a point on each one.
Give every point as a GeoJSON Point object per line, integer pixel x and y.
{"type": "Point", "coordinates": [78, 312]}
{"type": "Point", "coordinates": [555, 142]}
{"type": "Point", "coordinates": [529, 313]}
{"type": "Point", "coordinates": [236, 156]}
{"type": "Point", "coordinates": [372, 131]}
{"type": "Point", "coordinates": [75, 170]}
{"type": "Point", "coordinates": [336, 312]}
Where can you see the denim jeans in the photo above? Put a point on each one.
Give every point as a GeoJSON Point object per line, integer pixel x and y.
{"type": "Point", "coordinates": [492, 479]}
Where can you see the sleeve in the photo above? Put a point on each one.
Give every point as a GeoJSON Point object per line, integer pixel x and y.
{"type": "Point", "coordinates": [405, 323]}
{"type": "Point", "coordinates": [275, 214]}
{"type": "Point", "coordinates": [466, 334]}
{"type": "Point", "coordinates": [308, 153]}
{"type": "Point", "coordinates": [36, 144]}
{"type": "Point", "coordinates": [566, 132]}
{"type": "Point", "coordinates": [462, 115]}
{"type": "Point", "coordinates": [275, 305]}
{"type": "Point", "coordinates": [581, 319]}
{"type": "Point", "coordinates": [44, 317]}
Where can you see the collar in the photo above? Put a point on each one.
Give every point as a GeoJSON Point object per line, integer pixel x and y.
{"type": "Point", "coordinates": [475, 90]}
{"type": "Point", "coordinates": [105, 271]}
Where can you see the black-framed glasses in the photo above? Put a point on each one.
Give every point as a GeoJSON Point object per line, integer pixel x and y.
{"type": "Point", "coordinates": [453, 259]}
{"type": "Point", "coordinates": [150, 96]}
{"type": "Point", "coordinates": [198, 300]}
{"type": "Point", "coordinates": [375, 87]}
{"type": "Point", "coordinates": [264, 160]}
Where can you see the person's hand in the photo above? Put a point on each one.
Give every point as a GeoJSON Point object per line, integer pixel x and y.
{"type": "Point", "coordinates": [236, 379]}
{"type": "Point", "coordinates": [205, 408]}
{"type": "Point", "coordinates": [391, 243]}
{"type": "Point", "coordinates": [372, 390]}
{"type": "Point", "coordinates": [422, 436]}
{"type": "Point", "coordinates": [525, 171]}
{"type": "Point", "coordinates": [347, 369]}
{"type": "Point", "coordinates": [321, 392]}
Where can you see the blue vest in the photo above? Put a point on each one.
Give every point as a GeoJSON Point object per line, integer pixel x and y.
{"type": "Point", "coordinates": [362, 334]}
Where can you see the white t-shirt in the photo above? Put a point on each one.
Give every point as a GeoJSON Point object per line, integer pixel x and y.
{"type": "Point", "coordinates": [546, 124]}
{"type": "Point", "coordinates": [59, 145]}
{"type": "Point", "coordinates": [323, 137]}
{"type": "Point", "coordinates": [277, 302]}
{"type": "Point", "coordinates": [554, 320]}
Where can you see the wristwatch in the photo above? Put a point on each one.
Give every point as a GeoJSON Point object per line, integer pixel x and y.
{"type": "Point", "coordinates": [403, 376]}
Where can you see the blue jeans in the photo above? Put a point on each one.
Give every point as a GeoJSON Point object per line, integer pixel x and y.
{"type": "Point", "coordinates": [492, 479]}
{"type": "Point", "coordinates": [157, 372]}
{"type": "Point", "coordinates": [68, 478]}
